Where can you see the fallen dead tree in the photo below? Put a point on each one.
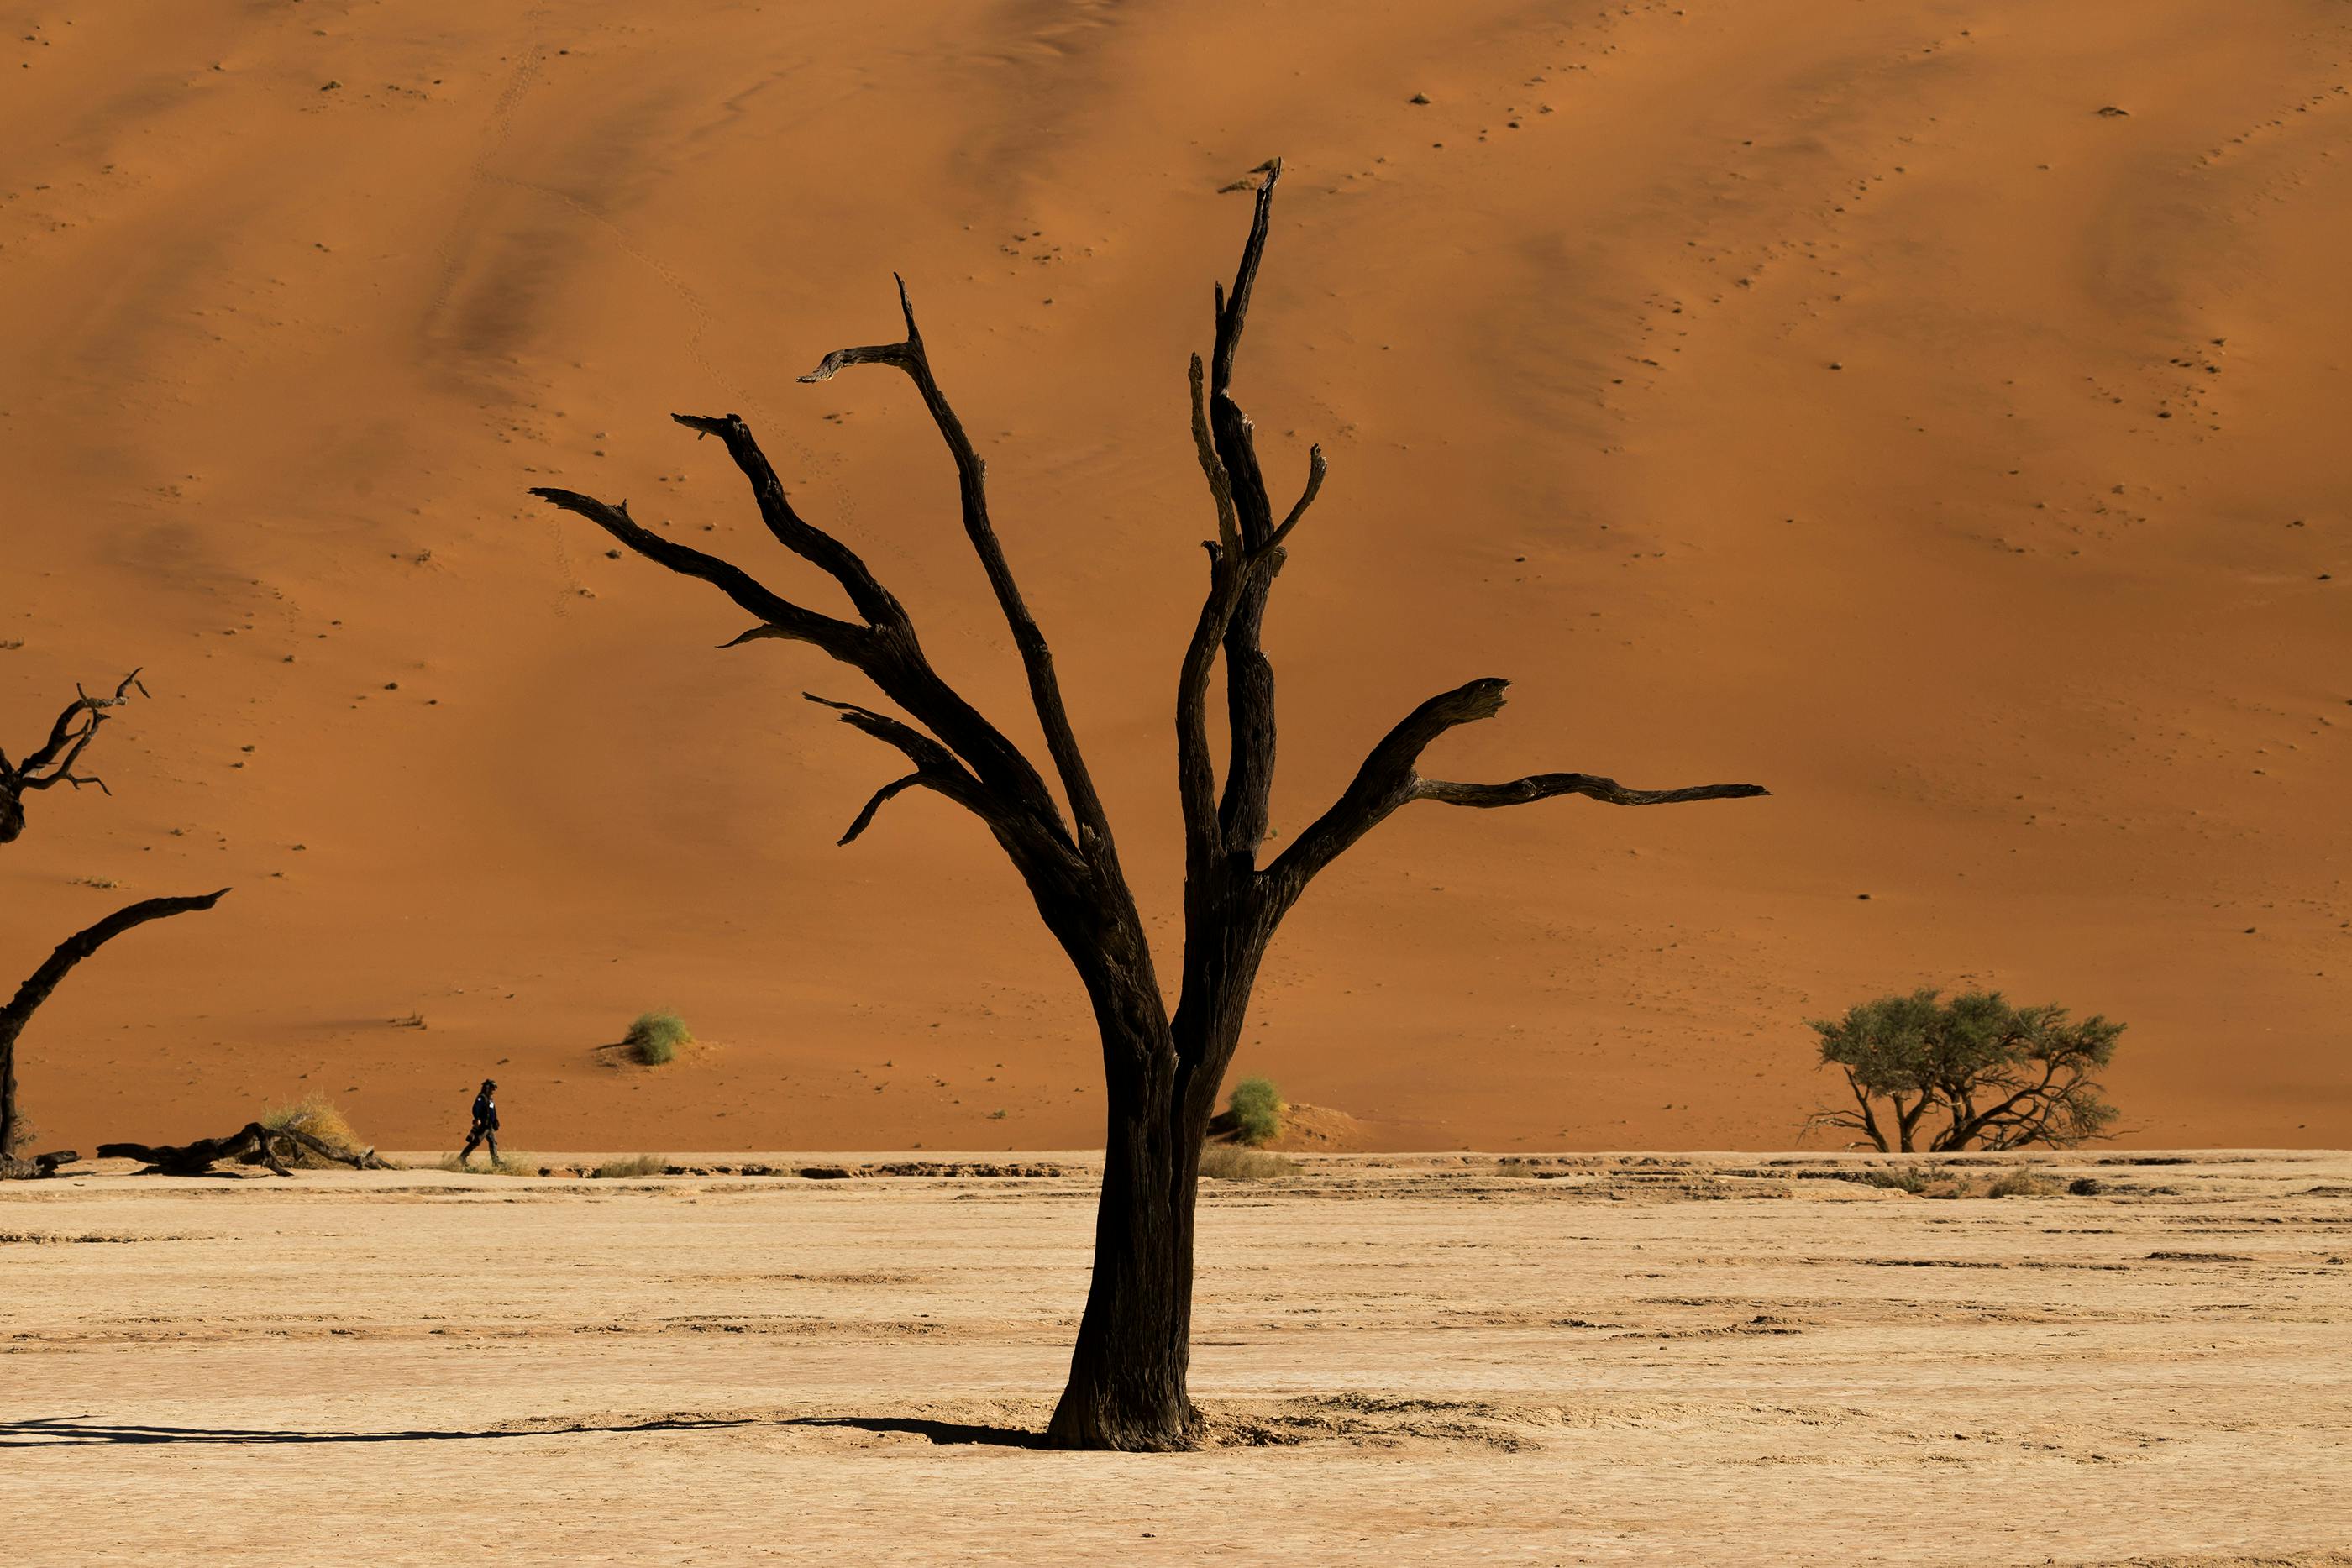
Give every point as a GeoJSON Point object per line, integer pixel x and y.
{"type": "Point", "coordinates": [34, 1166]}
{"type": "Point", "coordinates": [251, 1144]}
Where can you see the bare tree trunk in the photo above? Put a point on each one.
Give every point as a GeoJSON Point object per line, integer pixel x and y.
{"type": "Point", "coordinates": [1126, 1387]}
{"type": "Point", "coordinates": [36, 989]}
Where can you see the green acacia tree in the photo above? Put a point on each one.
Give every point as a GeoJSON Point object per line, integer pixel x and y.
{"type": "Point", "coordinates": [1975, 1071]}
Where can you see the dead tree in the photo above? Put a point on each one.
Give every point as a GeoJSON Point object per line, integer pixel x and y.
{"type": "Point", "coordinates": [52, 763]}
{"type": "Point", "coordinates": [47, 766]}
{"type": "Point", "coordinates": [252, 1143]}
{"type": "Point", "coordinates": [36, 990]}
{"type": "Point", "coordinates": [1127, 1386]}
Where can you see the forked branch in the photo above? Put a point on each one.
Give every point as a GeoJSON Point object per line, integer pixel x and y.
{"type": "Point", "coordinates": [779, 617]}
{"type": "Point", "coordinates": [876, 603]}
{"type": "Point", "coordinates": [990, 768]}
{"type": "Point", "coordinates": [935, 768]}
{"type": "Point", "coordinates": [1036, 657]}
{"type": "Point", "coordinates": [1243, 809]}
{"type": "Point", "coordinates": [52, 762]}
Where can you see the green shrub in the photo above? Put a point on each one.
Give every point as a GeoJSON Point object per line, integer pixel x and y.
{"type": "Point", "coordinates": [631, 1165]}
{"type": "Point", "coordinates": [1256, 1110]}
{"type": "Point", "coordinates": [654, 1038]}
{"type": "Point", "coordinates": [2023, 1184]}
{"type": "Point", "coordinates": [1231, 1162]}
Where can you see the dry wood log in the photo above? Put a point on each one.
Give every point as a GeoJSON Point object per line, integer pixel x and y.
{"type": "Point", "coordinates": [252, 1143]}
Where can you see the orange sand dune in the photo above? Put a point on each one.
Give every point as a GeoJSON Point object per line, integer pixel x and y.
{"type": "Point", "coordinates": [1824, 395]}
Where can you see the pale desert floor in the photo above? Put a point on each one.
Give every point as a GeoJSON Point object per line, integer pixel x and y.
{"type": "Point", "coordinates": [1409, 1359]}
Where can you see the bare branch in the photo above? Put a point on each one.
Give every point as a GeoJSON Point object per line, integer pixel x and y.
{"type": "Point", "coordinates": [1221, 485]}
{"type": "Point", "coordinates": [921, 750]}
{"type": "Point", "coordinates": [1243, 809]}
{"type": "Point", "coordinates": [889, 655]}
{"type": "Point", "coordinates": [1545, 786]}
{"type": "Point", "coordinates": [1036, 657]}
{"type": "Point", "coordinates": [89, 940]}
{"type": "Point", "coordinates": [52, 762]}
{"type": "Point", "coordinates": [866, 817]}
{"type": "Point", "coordinates": [1234, 309]}
{"type": "Point", "coordinates": [1315, 470]}
{"type": "Point", "coordinates": [938, 768]}
{"type": "Point", "coordinates": [1388, 779]}
{"type": "Point", "coordinates": [45, 979]}
{"type": "Point", "coordinates": [876, 602]}
{"type": "Point", "coordinates": [1196, 774]}
{"type": "Point", "coordinates": [780, 617]}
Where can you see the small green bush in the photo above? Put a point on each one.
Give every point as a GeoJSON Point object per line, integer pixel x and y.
{"type": "Point", "coordinates": [631, 1165]}
{"type": "Point", "coordinates": [1231, 1162]}
{"type": "Point", "coordinates": [2023, 1184]}
{"type": "Point", "coordinates": [654, 1038]}
{"type": "Point", "coordinates": [1256, 1110]}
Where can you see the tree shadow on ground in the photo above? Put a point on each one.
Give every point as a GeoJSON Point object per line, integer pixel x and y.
{"type": "Point", "coordinates": [63, 1431]}
{"type": "Point", "coordinates": [60, 1431]}
{"type": "Point", "coordinates": [941, 1432]}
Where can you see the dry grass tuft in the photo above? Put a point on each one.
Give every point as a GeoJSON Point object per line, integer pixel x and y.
{"type": "Point", "coordinates": [315, 1114]}
{"type": "Point", "coordinates": [632, 1166]}
{"type": "Point", "coordinates": [1233, 1162]}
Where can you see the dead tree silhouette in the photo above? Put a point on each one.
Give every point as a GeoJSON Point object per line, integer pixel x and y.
{"type": "Point", "coordinates": [1162, 1068]}
{"type": "Point", "coordinates": [47, 765]}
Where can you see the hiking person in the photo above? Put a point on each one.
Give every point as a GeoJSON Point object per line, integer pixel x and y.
{"type": "Point", "coordinates": [486, 1124]}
